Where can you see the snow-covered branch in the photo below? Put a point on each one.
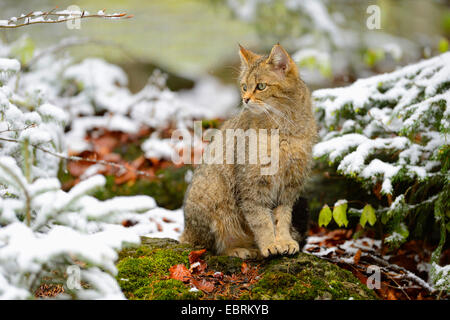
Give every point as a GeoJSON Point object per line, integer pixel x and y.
{"type": "Point", "coordinates": [391, 133]}
{"type": "Point", "coordinates": [54, 16]}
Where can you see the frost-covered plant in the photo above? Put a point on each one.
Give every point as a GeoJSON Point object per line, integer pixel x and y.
{"type": "Point", "coordinates": [56, 16]}
{"type": "Point", "coordinates": [43, 229]}
{"type": "Point", "coordinates": [101, 87]}
{"type": "Point", "coordinates": [390, 132]}
{"type": "Point", "coordinates": [328, 38]}
{"type": "Point", "coordinates": [47, 106]}
{"type": "Point", "coordinates": [95, 94]}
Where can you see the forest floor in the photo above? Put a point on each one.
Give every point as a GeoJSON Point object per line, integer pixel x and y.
{"type": "Point", "coordinates": [402, 273]}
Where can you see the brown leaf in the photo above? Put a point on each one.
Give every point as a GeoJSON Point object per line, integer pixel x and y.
{"type": "Point", "coordinates": [126, 177]}
{"type": "Point", "coordinates": [198, 267]}
{"type": "Point", "coordinates": [180, 272]}
{"type": "Point", "coordinates": [138, 162]}
{"type": "Point", "coordinates": [357, 256]}
{"type": "Point", "coordinates": [391, 295]}
{"type": "Point", "coordinates": [154, 161]}
{"type": "Point", "coordinates": [361, 277]}
{"type": "Point", "coordinates": [377, 190]}
{"type": "Point", "coordinates": [194, 256]}
{"type": "Point", "coordinates": [128, 223]}
{"type": "Point", "coordinates": [244, 268]}
{"type": "Point", "coordinates": [77, 168]}
{"type": "Point", "coordinates": [218, 275]}
{"type": "Point", "coordinates": [204, 285]}
{"type": "Point", "coordinates": [112, 157]}
{"type": "Point", "coordinates": [105, 144]}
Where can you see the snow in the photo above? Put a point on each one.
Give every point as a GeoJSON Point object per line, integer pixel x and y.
{"type": "Point", "coordinates": [442, 278]}
{"type": "Point", "coordinates": [9, 65]}
{"type": "Point", "coordinates": [409, 94]}
{"type": "Point", "coordinates": [320, 16]}
{"type": "Point", "coordinates": [159, 149]}
{"type": "Point", "coordinates": [68, 226]}
{"type": "Point", "coordinates": [50, 111]}
{"type": "Point", "coordinates": [382, 129]}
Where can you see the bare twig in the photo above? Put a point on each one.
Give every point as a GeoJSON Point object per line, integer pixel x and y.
{"type": "Point", "coordinates": [398, 285]}
{"type": "Point", "coordinates": [16, 130]}
{"type": "Point", "coordinates": [62, 16]}
{"type": "Point", "coordinates": [406, 274]}
{"type": "Point", "coordinates": [76, 158]}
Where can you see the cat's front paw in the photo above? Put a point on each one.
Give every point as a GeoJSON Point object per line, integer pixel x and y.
{"type": "Point", "coordinates": [271, 249]}
{"type": "Point", "coordinates": [289, 246]}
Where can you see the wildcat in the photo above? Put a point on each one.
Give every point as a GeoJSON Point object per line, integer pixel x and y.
{"type": "Point", "coordinates": [235, 210]}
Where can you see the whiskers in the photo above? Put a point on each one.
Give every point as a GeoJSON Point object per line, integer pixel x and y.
{"type": "Point", "coordinates": [268, 109]}
{"type": "Point", "coordinates": [279, 118]}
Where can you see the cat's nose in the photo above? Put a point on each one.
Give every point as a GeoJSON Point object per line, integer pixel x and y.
{"type": "Point", "coordinates": [246, 100]}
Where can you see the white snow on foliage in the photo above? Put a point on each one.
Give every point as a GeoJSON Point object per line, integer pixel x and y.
{"type": "Point", "coordinates": [44, 229]}
{"type": "Point", "coordinates": [385, 110]}
{"type": "Point", "coordinates": [389, 128]}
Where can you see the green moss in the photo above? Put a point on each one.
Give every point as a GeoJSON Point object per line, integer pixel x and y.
{"type": "Point", "coordinates": [166, 290]}
{"type": "Point", "coordinates": [130, 151]}
{"type": "Point", "coordinates": [305, 277]}
{"type": "Point", "coordinates": [143, 274]}
{"type": "Point", "coordinates": [211, 123]}
{"type": "Point", "coordinates": [224, 264]}
{"type": "Point", "coordinates": [273, 285]}
{"type": "Point", "coordinates": [168, 190]}
{"type": "Point", "coordinates": [146, 267]}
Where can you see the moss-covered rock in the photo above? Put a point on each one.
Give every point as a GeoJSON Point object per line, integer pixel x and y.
{"type": "Point", "coordinates": [144, 274]}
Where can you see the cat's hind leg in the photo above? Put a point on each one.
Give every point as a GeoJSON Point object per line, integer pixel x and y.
{"type": "Point", "coordinates": [243, 253]}
{"type": "Point", "coordinates": [212, 218]}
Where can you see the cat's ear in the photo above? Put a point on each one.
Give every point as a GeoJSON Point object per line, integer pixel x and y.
{"type": "Point", "coordinates": [247, 57]}
{"type": "Point", "coordinates": [280, 60]}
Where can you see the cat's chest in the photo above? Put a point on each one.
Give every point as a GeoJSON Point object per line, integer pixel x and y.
{"type": "Point", "coordinates": [285, 180]}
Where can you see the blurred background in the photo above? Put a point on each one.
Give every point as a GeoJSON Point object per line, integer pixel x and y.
{"type": "Point", "coordinates": [330, 40]}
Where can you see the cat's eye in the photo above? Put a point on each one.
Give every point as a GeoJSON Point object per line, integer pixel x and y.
{"type": "Point", "coordinates": [261, 86]}
{"type": "Point", "coordinates": [244, 87]}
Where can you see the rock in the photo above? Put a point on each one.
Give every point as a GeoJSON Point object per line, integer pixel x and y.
{"type": "Point", "coordinates": [143, 274]}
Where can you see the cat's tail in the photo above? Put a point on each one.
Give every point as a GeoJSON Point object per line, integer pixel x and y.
{"type": "Point", "coordinates": [300, 221]}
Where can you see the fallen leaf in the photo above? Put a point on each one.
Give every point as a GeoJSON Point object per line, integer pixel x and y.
{"type": "Point", "coordinates": [391, 295]}
{"type": "Point", "coordinates": [138, 162]}
{"type": "Point", "coordinates": [194, 256]}
{"type": "Point", "coordinates": [154, 161]}
{"type": "Point", "coordinates": [357, 256]}
{"type": "Point", "coordinates": [128, 223]}
{"type": "Point", "coordinates": [180, 272]}
{"type": "Point", "coordinates": [204, 285]}
{"type": "Point", "coordinates": [244, 268]}
{"type": "Point", "coordinates": [218, 275]}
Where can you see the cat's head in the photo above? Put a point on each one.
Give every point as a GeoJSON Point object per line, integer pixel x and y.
{"type": "Point", "coordinates": [268, 80]}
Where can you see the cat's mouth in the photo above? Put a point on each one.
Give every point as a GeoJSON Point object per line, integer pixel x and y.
{"type": "Point", "coordinates": [253, 106]}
